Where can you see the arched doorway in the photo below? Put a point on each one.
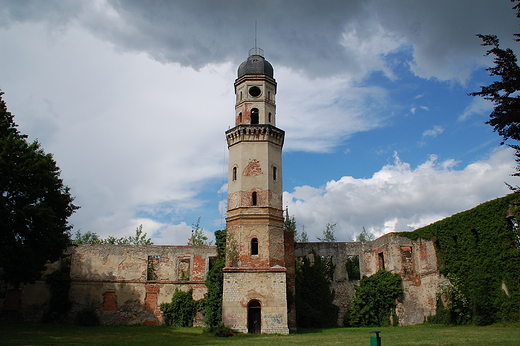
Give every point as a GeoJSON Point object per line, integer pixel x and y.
{"type": "Point", "coordinates": [254, 315]}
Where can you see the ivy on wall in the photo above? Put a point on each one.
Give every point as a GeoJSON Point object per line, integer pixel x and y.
{"type": "Point", "coordinates": [181, 311]}
{"type": "Point", "coordinates": [211, 305]}
{"type": "Point", "coordinates": [481, 248]}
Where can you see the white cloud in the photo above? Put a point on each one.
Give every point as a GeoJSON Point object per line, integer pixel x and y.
{"type": "Point", "coordinates": [437, 130]}
{"type": "Point", "coordinates": [399, 197]}
{"type": "Point", "coordinates": [478, 106]}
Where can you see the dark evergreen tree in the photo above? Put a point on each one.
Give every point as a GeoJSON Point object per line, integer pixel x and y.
{"type": "Point", "coordinates": [34, 205]}
{"type": "Point", "coordinates": [314, 297]}
{"type": "Point", "coordinates": [504, 93]}
{"type": "Point", "coordinates": [212, 303]}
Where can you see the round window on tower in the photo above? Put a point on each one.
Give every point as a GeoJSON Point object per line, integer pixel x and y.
{"type": "Point", "coordinates": [254, 91]}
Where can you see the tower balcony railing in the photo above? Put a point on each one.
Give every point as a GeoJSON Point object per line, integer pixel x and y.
{"type": "Point", "coordinates": [256, 51]}
{"type": "Point", "coordinates": [255, 133]}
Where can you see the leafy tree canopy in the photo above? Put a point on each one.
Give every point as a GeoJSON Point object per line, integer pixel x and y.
{"type": "Point", "coordinates": [93, 238]}
{"type": "Point", "coordinates": [34, 205]}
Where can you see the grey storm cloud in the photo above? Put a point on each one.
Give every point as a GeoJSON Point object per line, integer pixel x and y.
{"type": "Point", "coordinates": [318, 38]}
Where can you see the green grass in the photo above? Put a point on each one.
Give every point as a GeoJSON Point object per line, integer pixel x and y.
{"type": "Point", "coordinates": [52, 334]}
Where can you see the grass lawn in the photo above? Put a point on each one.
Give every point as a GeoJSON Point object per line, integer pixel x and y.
{"type": "Point", "coordinates": [52, 334]}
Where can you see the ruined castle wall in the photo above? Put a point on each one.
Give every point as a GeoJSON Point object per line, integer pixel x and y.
{"type": "Point", "coordinates": [415, 261]}
{"type": "Point", "coordinates": [127, 283]}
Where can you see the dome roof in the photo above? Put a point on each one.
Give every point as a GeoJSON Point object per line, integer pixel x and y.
{"type": "Point", "coordinates": [256, 64]}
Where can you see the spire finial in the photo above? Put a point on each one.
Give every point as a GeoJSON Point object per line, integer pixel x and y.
{"type": "Point", "coordinates": [256, 50]}
{"type": "Point", "coordinates": [255, 34]}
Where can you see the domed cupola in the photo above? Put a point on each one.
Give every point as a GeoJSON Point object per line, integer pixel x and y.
{"type": "Point", "coordinates": [256, 64]}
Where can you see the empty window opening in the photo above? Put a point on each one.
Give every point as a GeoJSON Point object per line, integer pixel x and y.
{"type": "Point", "coordinates": [254, 246]}
{"type": "Point", "coordinates": [151, 268]}
{"type": "Point", "coordinates": [274, 173]}
{"type": "Point", "coordinates": [234, 173]}
{"type": "Point", "coordinates": [254, 198]}
{"type": "Point", "coordinates": [352, 266]}
{"type": "Point", "coordinates": [240, 118]}
{"type": "Point", "coordinates": [270, 117]}
{"type": "Point", "coordinates": [183, 272]}
{"type": "Point", "coordinates": [211, 262]}
{"type": "Point", "coordinates": [407, 260]}
{"type": "Point", "coordinates": [254, 315]}
{"type": "Point", "coordinates": [381, 258]}
{"type": "Point", "coordinates": [240, 96]}
{"type": "Point", "coordinates": [254, 116]}
{"type": "Point", "coordinates": [268, 95]}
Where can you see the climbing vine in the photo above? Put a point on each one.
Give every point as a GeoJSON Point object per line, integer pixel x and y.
{"type": "Point", "coordinates": [181, 311]}
{"type": "Point", "coordinates": [481, 248]}
{"type": "Point", "coordinates": [212, 302]}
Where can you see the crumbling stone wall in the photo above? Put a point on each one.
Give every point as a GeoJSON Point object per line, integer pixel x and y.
{"type": "Point", "coordinates": [415, 261]}
{"type": "Point", "coordinates": [127, 283]}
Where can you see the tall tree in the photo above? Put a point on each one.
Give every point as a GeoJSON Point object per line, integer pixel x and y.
{"type": "Point", "coordinates": [504, 93]}
{"type": "Point", "coordinates": [34, 205]}
{"type": "Point", "coordinates": [198, 238]}
{"type": "Point", "coordinates": [328, 233]}
{"type": "Point", "coordinates": [314, 297]}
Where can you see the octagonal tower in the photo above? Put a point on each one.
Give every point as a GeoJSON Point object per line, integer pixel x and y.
{"type": "Point", "coordinates": [259, 272]}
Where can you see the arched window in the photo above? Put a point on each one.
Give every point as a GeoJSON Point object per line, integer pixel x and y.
{"type": "Point", "coordinates": [254, 116]}
{"type": "Point", "coordinates": [234, 173]}
{"type": "Point", "coordinates": [269, 95]}
{"type": "Point", "coordinates": [240, 118]}
{"type": "Point", "coordinates": [274, 172]}
{"type": "Point", "coordinates": [254, 246]}
{"type": "Point", "coordinates": [253, 198]}
{"type": "Point", "coordinates": [269, 116]}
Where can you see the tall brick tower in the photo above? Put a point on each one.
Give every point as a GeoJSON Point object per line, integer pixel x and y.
{"type": "Point", "coordinates": [259, 272]}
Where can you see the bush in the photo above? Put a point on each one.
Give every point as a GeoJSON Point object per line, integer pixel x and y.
{"type": "Point", "coordinates": [375, 300]}
{"type": "Point", "coordinates": [222, 331]}
{"type": "Point", "coordinates": [181, 311]}
{"type": "Point", "coordinates": [87, 317]}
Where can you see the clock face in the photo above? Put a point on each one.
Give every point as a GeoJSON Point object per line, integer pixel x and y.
{"type": "Point", "coordinates": [254, 91]}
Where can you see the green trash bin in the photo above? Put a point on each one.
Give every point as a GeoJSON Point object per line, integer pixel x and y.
{"type": "Point", "coordinates": [375, 340]}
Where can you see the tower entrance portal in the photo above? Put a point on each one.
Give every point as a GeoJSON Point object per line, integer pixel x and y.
{"type": "Point", "coordinates": [254, 315]}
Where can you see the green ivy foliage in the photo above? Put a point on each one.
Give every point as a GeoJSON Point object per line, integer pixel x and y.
{"type": "Point", "coordinates": [181, 311]}
{"type": "Point", "coordinates": [211, 305]}
{"type": "Point", "coordinates": [375, 301]}
{"type": "Point", "coordinates": [481, 247]}
{"type": "Point", "coordinates": [314, 307]}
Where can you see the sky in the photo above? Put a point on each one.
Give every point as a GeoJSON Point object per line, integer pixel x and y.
{"type": "Point", "coordinates": [133, 98]}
